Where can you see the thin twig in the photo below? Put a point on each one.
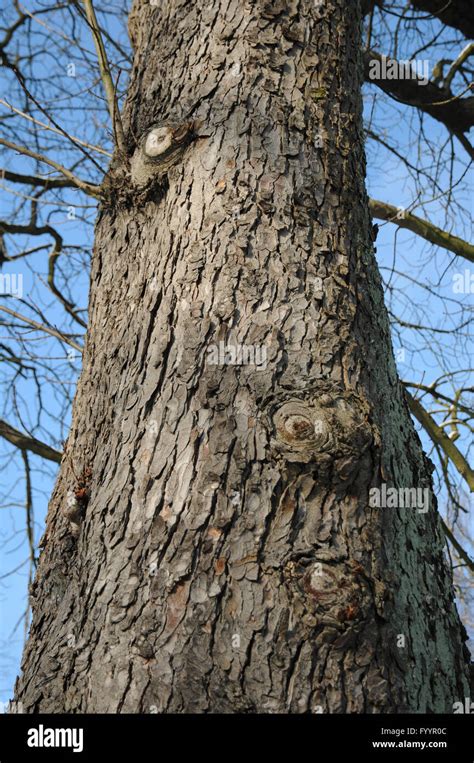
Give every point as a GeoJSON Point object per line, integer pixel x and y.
{"type": "Point", "coordinates": [90, 188]}
{"type": "Point", "coordinates": [106, 78]}
{"type": "Point", "coordinates": [29, 511]}
{"type": "Point", "coordinates": [54, 129]}
{"type": "Point", "coordinates": [461, 552]}
{"type": "Point", "coordinates": [41, 327]}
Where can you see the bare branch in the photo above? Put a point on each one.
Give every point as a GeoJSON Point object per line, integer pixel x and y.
{"type": "Point", "coordinates": [438, 436]}
{"type": "Point", "coordinates": [432, 390]}
{"type": "Point", "coordinates": [457, 114]}
{"type": "Point", "coordinates": [36, 180]}
{"type": "Point", "coordinates": [468, 51]}
{"type": "Point", "coordinates": [423, 228]}
{"type": "Point", "coordinates": [34, 230]}
{"type": "Point", "coordinates": [106, 78]}
{"type": "Point", "coordinates": [41, 327]}
{"type": "Point", "coordinates": [29, 512]}
{"type": "Point", "coordinates": [54, 129]}
{"type": "Point", "coordinates": [25, 442]}
{"type": "Point", "coordinates": [455, 13]}
{"type": "Point", "coordinates": [90, 188]}
{"type": "Point", "coordinates": [461, 552]}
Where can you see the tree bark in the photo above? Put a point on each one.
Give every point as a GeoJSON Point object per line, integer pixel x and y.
{"type": "Point", "coordinates": [210, 543]}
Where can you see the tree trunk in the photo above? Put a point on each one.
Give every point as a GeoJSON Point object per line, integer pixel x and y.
{"type": "Point", "coordinates": [239, 403]}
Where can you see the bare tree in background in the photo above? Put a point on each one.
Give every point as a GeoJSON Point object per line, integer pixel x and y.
{"type": "Point", "coordinates": [210, 544]}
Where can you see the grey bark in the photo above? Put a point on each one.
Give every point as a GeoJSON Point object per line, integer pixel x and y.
{"type": "Point", "coordinates": [226, 557]}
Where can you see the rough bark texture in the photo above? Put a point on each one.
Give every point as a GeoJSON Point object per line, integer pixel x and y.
{"type": "Point", "coordinates": [227, 558]}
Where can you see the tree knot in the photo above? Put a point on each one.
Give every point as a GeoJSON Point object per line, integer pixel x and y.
{"type": "Point", "coordinates": [327, 426]}
{"type": "Point", "coordinates": [160, 148]}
